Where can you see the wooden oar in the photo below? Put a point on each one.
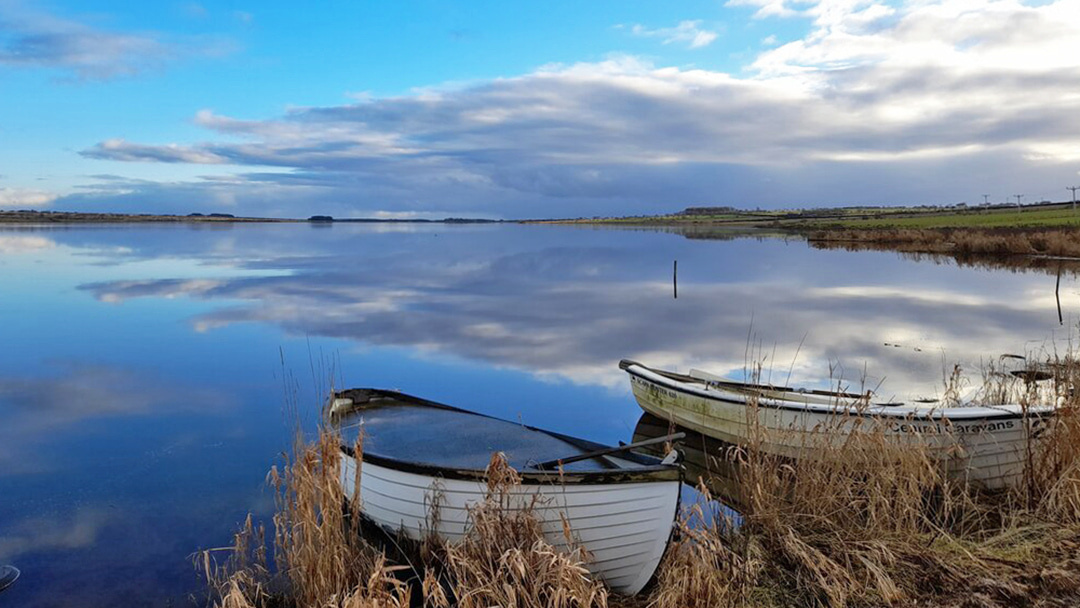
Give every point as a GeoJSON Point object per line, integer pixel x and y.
{"type": "Point", "coordinates": [609, 451]}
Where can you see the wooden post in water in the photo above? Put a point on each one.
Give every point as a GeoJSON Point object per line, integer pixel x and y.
{"type": "Point", "coordinates": [675, 280]}
{"type": "Point", "coordinates": [1057, 295]}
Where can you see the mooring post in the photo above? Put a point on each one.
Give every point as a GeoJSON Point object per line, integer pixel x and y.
{"type": "Point", "coordinates": [1057, 295]}
{"type": "Point", "coordinates": [675, 280]}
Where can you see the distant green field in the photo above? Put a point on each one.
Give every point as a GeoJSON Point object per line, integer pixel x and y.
{"type": "Point", "coordinates": [865, 217]}
{"type": "Point", "coordinates": [996, 218]}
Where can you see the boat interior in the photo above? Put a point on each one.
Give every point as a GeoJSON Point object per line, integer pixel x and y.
{"type": "Point", "coordinates": [402, 428]}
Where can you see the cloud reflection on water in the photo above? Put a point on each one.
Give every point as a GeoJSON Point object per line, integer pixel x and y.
{"type": "Point", "coordinates": [46, 533]}
{"type": "Point", "coordinates": [73, 393]}
{"type": "Point", "coordinates": [574, 311]}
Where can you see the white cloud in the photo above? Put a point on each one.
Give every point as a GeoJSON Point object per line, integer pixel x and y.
{"type": "Point", "coordinates": [25, 197]}
{"type": "Point", "coordinates": [36, 39]}
{"type": "Point", "coordinates": [767, 8]}
{"type": "Point", "coordinates": [687, 32]}
{"type": "Point", "coordinates": [966, 94]}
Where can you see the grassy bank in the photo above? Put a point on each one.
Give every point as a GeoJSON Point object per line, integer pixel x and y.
{"type": "Point", "coordinates": [872, 522]}
{"type": "Point", "coordinates": [957, 242]}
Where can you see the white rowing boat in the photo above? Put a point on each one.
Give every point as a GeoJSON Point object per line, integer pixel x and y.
{"type": "Point", "coordinates": [620, 506]}
{"type": "Point", "coordinates": [985, 445]}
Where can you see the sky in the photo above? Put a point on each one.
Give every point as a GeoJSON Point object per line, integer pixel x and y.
{"type": "Point", "coordinates": [402, 109]}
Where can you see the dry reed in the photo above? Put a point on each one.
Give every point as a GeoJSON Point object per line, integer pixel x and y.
{"type": "Point", "coordinates": [322, 560]}
{"type": "Point", "coordinates": [1046, 250]}
{"type": "Point", "coordinates": [504, 559]}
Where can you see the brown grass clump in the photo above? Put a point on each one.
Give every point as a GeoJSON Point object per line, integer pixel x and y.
{"type": "Point", "coordinates": [707, 565]}
{"type": "Point", "coordinates": [320, 558]}
{"type": "Point", "coordinates": [505, 560]}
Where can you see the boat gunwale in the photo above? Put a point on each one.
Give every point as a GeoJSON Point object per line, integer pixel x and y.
{"type": "Point", "coordinates": [649, 470]}
{"type": "Point", "coordinates": [880, 411]}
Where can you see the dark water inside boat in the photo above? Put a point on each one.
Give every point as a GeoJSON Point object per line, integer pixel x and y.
{"type": "Point", "coordinates": [142, 366]}
{"type": "Point", "coordinates": [438, 439]}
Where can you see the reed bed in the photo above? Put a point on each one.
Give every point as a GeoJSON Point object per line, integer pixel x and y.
{"type": "Point", "coordinates": [958, 242]}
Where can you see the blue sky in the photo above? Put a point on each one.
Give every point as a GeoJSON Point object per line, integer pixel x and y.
{"type": "Point", "coordinates": [529, 109]}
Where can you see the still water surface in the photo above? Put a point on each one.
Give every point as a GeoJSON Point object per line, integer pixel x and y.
{"type": "Point", "coordinates": [142, 367]}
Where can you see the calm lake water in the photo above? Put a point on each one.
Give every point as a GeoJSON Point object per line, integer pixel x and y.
{"type": "Point", "coordinates": [142, 367]}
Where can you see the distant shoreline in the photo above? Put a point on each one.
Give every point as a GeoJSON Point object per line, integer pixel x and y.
{"type": "Point", "coordinates": [80, 217]}
{"type": "Point", "coordinates": [1042, 229]}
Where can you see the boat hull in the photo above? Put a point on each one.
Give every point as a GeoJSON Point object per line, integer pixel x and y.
{"type": "Point", "coordinates": [625, 527]}
{"type": "Point", "coordinates": [990, 451]}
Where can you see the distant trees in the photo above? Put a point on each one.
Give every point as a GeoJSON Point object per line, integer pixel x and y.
{"type": "Point", "coordinates": [707, 210]}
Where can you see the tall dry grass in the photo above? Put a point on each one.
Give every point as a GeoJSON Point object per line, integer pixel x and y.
{"type": "Point", "coordinates": [321, 558]}
{"type": "Point", "coordinates": [505, 560]}
{"type": "Point", "coordinates": [966, 245]}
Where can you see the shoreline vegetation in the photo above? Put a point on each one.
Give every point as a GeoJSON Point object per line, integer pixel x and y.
{"type": "Point", "coordinates": [872, 522]}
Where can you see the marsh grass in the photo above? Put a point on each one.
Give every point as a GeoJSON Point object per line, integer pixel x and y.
{"type": "Point", "coordinates": [505, 560]}
{"type": "Point", "coordinates": [960, 243]}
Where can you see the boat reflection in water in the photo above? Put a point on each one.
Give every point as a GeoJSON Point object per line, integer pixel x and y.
{"type": "Point", "coordinates": [705, 460]}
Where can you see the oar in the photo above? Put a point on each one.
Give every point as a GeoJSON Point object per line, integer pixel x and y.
{"type": "Point", "coordinates": [609, 451]}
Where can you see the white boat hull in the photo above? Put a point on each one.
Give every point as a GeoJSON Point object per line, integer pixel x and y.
{"type": "Point", "coordinates": [625, 527]}
{"type": "Point", "coordinates": [986, 446]}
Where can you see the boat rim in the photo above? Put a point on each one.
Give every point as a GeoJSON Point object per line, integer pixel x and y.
{"type": "Point", "coordinates": [649, 470]}
{"type": "Point", "coordinates": [947, 413]}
